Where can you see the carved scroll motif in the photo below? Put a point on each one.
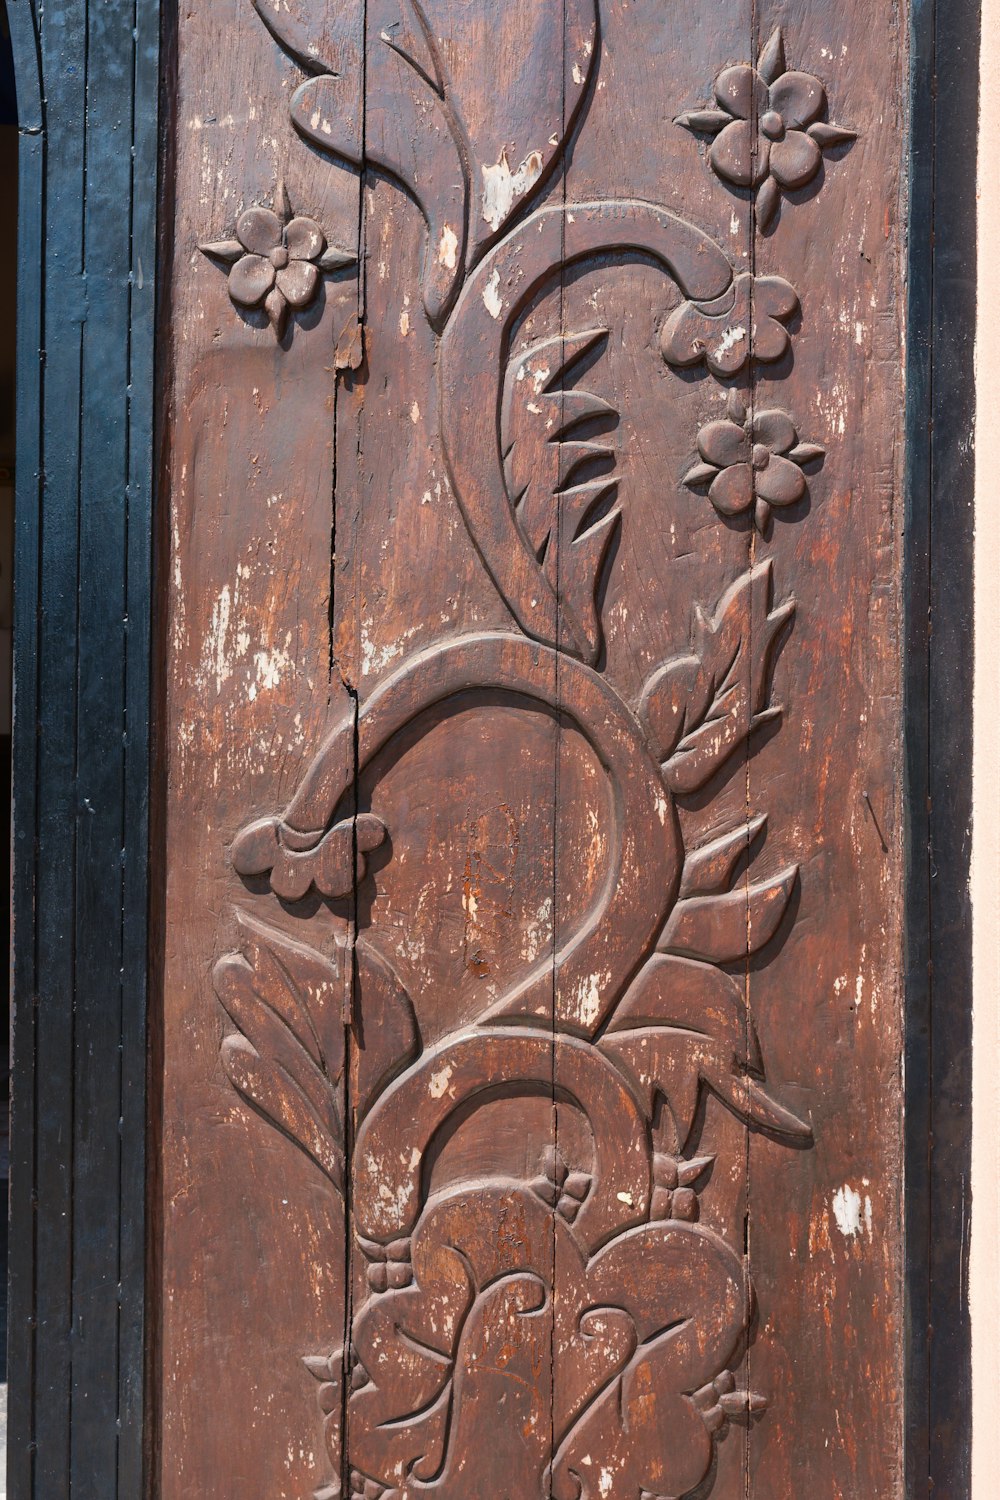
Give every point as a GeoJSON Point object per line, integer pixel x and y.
{"type": "Point", "coordinates": [633, 1018]}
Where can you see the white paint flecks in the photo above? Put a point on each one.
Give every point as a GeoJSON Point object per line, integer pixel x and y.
{"type": "Point", "coordinates": [730, 339]}
{"type": "Point", "coordinates": [852, 1212]}
{"type": "Point", "coordinates": [270, 666]}
{"type": "Point", "coordinates": [491, 296]}
{"type": "Point", "coordinates": [847, 1211]}
{"type": "Point", "coordinates": [438, 1085]}
{"type": "Point", "coordinates": [588, 999]}
{"type": "Point", "coordinates": [215, 657]}
{"type": "Point", "coordinates": [448, 248]}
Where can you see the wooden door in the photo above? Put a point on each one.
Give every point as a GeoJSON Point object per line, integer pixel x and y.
{"type": "Point", "coordinates": [531, 1039]}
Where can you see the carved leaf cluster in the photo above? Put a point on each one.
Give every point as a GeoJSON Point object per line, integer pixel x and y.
{"type": "Point", "coordinates": [684, 1025]}
{"type": "Point", "coordinates": [701, 707]}
{"type": "Point", "coordinates": [423, 107]}
{"type": "Point", "coordinates": [717, 919]}
{"type": "Point", "coordinates": [559, 467]}
{"type": "Point", "coordinates": [286, 1057]}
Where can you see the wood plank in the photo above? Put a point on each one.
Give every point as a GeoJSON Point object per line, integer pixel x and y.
{"type": "Point", "coordinates": [21, 1287]}
{"type": "Point", "coordinates": [672, 556]}
{"type": "Point", "coordinates": [250, 687]}
{"type": "Point", "coordinates": [825, 1248]}
{"type": "Point", "coordinates": [147, 190]}
{"type": "Point", "coordinates": [956, 124]}
{"type": "Point", "coordinates": [916, 829]}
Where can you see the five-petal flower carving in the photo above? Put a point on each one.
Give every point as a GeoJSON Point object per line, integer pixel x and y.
{"type": "Point", "coordinates": [767, 127]}
{"type": "Point", "coordinates": [752, 461]}
{"type": "Point", "coordinates": [276, 259]}
{"type": "Point", "coordinates": [746, 322]}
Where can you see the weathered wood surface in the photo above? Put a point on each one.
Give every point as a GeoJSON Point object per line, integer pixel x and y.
{"type": "Point", "coordinates": [531, 1043]}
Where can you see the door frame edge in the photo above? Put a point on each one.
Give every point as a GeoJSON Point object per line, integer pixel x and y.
{"type": "Point", "coordinates": [77, 1279]}
{"type": "Point", "coordinates": [938, 541]}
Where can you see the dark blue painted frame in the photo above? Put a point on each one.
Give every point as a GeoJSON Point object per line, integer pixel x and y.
{"type": "Point", "coordinates": [87, 76]}
{"type": "Point", "coordinates": [88, 79]}
{"type": "Point", "coordinates": [938, 667]}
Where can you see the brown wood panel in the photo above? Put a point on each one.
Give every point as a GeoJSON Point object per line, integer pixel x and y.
{"type": "Point", "coordinates": [531, 999]}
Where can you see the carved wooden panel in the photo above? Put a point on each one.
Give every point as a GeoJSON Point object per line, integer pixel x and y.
{"type": "Point", "coordinates": [531, 1037]}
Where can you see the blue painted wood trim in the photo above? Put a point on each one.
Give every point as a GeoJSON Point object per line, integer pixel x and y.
{"type": "Point", "coordinates": [87, 74]}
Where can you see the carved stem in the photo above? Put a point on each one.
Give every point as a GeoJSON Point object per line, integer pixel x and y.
{"type": "Point", "coordinates": [603, 950]}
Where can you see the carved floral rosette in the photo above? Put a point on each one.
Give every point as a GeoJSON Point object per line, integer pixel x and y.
{"type": "Point", "coordinates": [634, 1017]}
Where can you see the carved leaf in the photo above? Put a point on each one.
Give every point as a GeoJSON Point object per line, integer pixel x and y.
{"type": "Point", "coordinates": [712, 866]}
{"type": "Point", "coordinates": [767, 203]}
{"type": "Point", "coordinates": [386, 1033]}
{"type": "Point", "coordinates": [411, 136]}
{"type": "Point", "coordinates": [558, 467]}
{"type": "Point", "coordinates": [699, 708]}
{"type": "Point", "coordinates": [321, 38]}
{"type": "Point", "coordinates": [225, 250]}
{"type": "Point", "coordinates": [286, 1057]}
{"type": "Point", "coordinates": [771, 63]}
{"type": "Point", "coordinates": [469, 169]}
{"type": "Point", "coordinates": [723, 927]}
{"type": "Point", "coordinates": [476, 342]}
{"type": "Point", "coordinates": [830, 135]}
{"type": "Point", "coordinates": [683, 1025]}
{"type": "Point", "coordinates": [711, 920]}
{"type": "Point", "coordinates": [513, 130]}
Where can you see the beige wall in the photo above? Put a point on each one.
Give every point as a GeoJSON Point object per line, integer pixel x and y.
{"type": "Point", "coordinates": [984, 1270]}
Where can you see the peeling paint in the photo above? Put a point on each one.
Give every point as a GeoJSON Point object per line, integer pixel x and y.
{"type": "Point", "coordinates": [448, 248]}
{"type": "Point", "coordinates": [501, 186]}
{"type": "Point", "coordinates": [491, 296]}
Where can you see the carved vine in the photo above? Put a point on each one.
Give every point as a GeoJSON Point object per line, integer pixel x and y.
{"type": "Point", "coordinates": [635, 1017]}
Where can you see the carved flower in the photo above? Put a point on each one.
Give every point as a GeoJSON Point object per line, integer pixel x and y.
{"type": "Point", "coordinates": [752, 462]}
{"type": "Point", "coordinates": [276, 259]}
{"type": "Point", "coordinates": [768, 134]}
{"type": "Point", "coordinates": [745, 321]}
